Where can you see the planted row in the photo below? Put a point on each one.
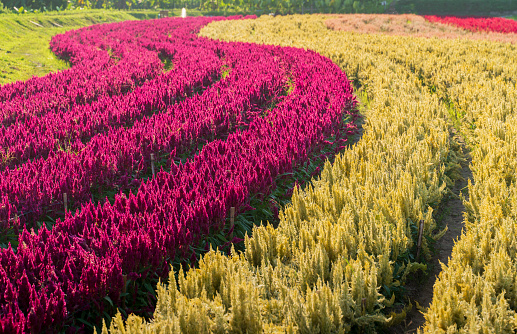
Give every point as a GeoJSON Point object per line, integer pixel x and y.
{"type": "Point", "coordinates": [85, 259]}
{"type": "Point", "coordinates": [37, 137]}
{"type": "Point", "coordinates": [347, 242]}
{"type": "Point", "coordinates": [476, 24]}
{"type": "Point", "coordinates": [96, 59]}
{"type": "Point", "coordinates": [476, 290]}
{"type": "Point", "coordinates": [410, 25]}
{"type": "Point", "coordinates": [99, 70]}
{"type": "Point", "coordinates": [117, 158]}
{"type": "Point", "coordinates": [39, 129]}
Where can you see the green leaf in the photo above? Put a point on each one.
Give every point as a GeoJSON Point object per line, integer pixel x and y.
{"type": "Point", "coordinates": [85, 322]}
{"type": "Point", "coordinates": [107, 316]}
{"type": "Point", "coordinates": [149, 288]}
{"type": "Point", "coordinates": [109, 300]}
{"type": "Point", "coordinates": [222, 238]}
{"type": "Point", "coordinates": [124, 313]}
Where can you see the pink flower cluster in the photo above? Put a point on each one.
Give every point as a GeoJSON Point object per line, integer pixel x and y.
{"type": "Point", "coordinates": [244, 113]}
{"type": "Point", "coordinates": [477, 24]}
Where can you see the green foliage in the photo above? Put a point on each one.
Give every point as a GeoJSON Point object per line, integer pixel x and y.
{"type": "Point", "coordinates": [214, 6]}
{"type": "Point", "coordinates": [3, 9]}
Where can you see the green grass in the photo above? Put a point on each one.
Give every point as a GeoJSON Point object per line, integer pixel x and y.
{"type": "Point", "coordinates": [24, 46]}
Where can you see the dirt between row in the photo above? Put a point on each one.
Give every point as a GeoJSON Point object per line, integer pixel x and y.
{"type": "Point", "coordinates": [450, 214]}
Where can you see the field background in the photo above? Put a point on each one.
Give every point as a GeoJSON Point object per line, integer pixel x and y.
{"type": "Point", "coordinates": [259, 7]}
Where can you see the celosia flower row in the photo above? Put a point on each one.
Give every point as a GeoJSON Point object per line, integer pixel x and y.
{"type": "Point", "coordinates": [95, 75]}
{"type": "Point", "coordinates": [30, 137]}
{"type": "Point", "coordinates": [493, 24]}
{"type": "Point", "coordinates": [114, 158]}
{"type": "Point", "coordinates": [84, 258]}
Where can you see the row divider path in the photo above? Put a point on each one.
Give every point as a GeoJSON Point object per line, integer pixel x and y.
{"type": "Point", "coordinates": [449, 215]}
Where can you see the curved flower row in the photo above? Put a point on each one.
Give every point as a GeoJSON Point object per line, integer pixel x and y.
{"type": "Point", "coordinates": [494, 24]}
{"type": "Point", "coordinates": [95, 71]}
{"type": "Point", "coordinates": [38, 128]}
{"type": "Point", "coordinates": [95, 74]}
{"type": "Point", "coordinates": [36, 137]}
{"type": "Point", "coordinates": [83, 259]}
{"type": "Point", "coordinates": [114, 158]}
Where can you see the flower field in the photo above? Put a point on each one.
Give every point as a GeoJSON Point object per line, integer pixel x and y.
{"type": "Point", "coordinates": [418, 26]}
{"type": "Point", "coordinates": [345, 245]}
{"type": "Point", "coordinates": [493, 24]}
{"type": "Point", "coordinates": [124, 170]}
{"type": "Point", "coordinates": [242, 114]}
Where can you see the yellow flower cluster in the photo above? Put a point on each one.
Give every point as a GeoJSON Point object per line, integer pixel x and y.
{"type": "Point", "coordinates": [342, 237]}
{"type": "Point", "coordinates": [477, 291]}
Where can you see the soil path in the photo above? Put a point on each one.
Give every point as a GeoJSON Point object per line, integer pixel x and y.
{"type": "Point", "coordinates": [450, 214]}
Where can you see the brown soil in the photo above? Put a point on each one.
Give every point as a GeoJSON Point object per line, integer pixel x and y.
{"type": "Point", "coordinates": [449, 214]}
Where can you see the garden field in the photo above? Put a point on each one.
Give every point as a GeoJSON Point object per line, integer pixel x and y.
{"type": "Point", "coordinates": [273, 174]}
